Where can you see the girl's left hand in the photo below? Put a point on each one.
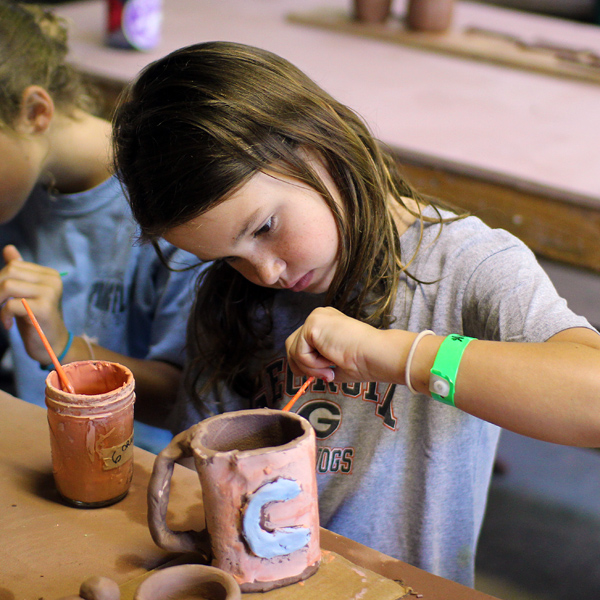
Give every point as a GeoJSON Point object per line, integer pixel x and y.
{"type": "Point", "coordinates": [42, 287]}
{"type": "Point", "coordinates": [332, 346]}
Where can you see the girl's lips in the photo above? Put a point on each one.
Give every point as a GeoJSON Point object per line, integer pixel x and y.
{"type": "Point", "coordinates": [302, 283]}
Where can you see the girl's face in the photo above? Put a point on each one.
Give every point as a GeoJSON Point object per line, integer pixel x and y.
{"type": "Point", "coordinates": [277, 232]}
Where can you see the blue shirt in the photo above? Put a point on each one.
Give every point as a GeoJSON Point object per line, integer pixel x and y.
{"type": "Point", "coordinates": [115, 290]}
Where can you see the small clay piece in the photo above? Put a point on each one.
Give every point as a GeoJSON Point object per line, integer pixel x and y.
{"type": "Point", "coordinates": [183, 582]}
{"type": "Point", "coordinates": [91, 432]}
{"type": "Point", "coordinates": [429, 15]}
{"type": "Point", "coordinates": [259, 490]}
{"type": "Point", "coordinates": [189, 582]}
{"type": "Point", "coordinates": [99, 588]}
{"type": "Point", "coordinates": [372, 11]}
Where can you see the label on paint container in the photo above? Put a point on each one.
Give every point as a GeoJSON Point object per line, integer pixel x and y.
{"type": "Point", "coordinates": [117, 455]}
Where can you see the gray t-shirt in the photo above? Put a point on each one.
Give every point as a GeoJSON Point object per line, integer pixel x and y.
{"type": "Point", "coordinates": [399, 472]}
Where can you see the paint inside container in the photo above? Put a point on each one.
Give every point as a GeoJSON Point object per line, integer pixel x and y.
{"type": "Point", "coordinates": [91, 432]}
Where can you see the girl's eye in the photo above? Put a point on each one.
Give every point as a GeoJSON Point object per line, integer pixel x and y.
{"type": "Point", "coordinates": [265, 228]}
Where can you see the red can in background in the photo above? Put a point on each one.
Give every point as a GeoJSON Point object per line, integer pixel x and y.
{"type": "Point", "coordinates": [134, 24]}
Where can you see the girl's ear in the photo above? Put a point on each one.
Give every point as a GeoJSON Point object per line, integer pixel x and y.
{"type": "Point", "coordinates": [37, 110]}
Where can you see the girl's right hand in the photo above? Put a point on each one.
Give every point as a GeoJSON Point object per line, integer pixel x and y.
{"type": "Point", "coordinates": [334, 347]}
{"type": "Point", "coordinates": [42, 287]}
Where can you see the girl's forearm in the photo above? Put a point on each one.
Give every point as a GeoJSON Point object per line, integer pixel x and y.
{"type": "Point", "coordinates": [549, 391]}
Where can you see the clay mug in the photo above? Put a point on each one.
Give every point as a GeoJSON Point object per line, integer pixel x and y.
{"type": "Point", "coordinates": [259, 490]}
{"type": "Point", "coordinates": [429, 15]}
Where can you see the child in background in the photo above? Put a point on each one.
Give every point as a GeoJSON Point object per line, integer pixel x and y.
{"type": "Point", "coordinates": [67, 236]}
{"type": "Point", "coordinates": [316, 239]}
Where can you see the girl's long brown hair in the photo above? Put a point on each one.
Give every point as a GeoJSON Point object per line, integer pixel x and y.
{"type": "Point", "coordinates": [195, 126]}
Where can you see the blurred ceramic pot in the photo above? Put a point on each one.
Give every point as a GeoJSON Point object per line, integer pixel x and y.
{"type": "Point", "coordinates": [372, 11]}
{"type": "Point", "coordinates": [429, 15]}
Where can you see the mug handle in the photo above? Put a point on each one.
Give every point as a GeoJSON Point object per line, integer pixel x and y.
{"type": "Point", "coordinates": [158, 500]}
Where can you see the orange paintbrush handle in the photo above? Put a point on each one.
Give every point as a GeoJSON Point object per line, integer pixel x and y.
{"type": "Point", "coordinates": [299, 393]}
{"type": "Point", "coordinates": [61, 373]}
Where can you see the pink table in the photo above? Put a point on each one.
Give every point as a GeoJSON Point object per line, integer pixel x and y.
{"type": "Point", "coordinates": [519, 146]}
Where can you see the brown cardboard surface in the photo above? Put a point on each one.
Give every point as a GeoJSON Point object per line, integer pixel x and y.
{"type": "Point", "coordinates": [336, 579]}
{"type": "Point", "coordinates": [420, 584]}
{"type": "Point", "coordinates": [47, 549]}
{"type": "Point", "coordinates": [477, 43]}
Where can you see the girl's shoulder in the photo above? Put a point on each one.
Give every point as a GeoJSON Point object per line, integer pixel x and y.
{"type": "Point", "coordinates": [441, 228]}
{"type": "Point", "coordinates": [441, 238]}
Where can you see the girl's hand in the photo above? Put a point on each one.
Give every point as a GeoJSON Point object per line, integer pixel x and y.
{"type": "Point", "coordinates": [332, 346]}
{"type": "Point", "coordinates": [42, 287]}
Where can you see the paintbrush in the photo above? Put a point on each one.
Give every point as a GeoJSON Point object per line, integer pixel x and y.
{"type": "Point", "coordinates": [61, 373]}
{"type": "Point", "coordinates": [299, 393]}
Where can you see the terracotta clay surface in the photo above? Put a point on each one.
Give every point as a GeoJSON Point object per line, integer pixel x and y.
{"type": "Point", "coordinates": [91, 432]}
{"type": "Point", "coordinates": [241, 456]}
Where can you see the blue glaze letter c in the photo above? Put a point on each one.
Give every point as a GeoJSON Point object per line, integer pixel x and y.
{"type": "Point", "coordinates": [281, 541]}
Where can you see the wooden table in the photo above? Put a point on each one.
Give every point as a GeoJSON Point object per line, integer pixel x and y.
{"type": "Point", "coordinates": [518, 148]}
{"type": "Point", "coordinates": [48, 549]}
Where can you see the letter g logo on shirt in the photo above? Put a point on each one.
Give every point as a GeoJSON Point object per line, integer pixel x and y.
{"type": "Point", "coordinates": [324, 416]}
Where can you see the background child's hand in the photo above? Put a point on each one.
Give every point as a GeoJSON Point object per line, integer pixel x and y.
{"type": "Point", "coordinates": [329, 338]}
{"type": "Point", "coordinates": [42, 287]}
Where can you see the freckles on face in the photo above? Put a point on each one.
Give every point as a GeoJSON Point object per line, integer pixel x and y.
{"type": "Point", "coordinates": [274, 230]}
{"type": "Point", "coordinates": [310, 243]}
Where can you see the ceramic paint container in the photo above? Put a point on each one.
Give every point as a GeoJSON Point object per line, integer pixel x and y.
{"type": "Point", "coordinates": [91, 432]}
{"type": "Point", "coordinates": [259, 491]}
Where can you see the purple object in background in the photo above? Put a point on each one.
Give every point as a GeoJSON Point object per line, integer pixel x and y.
{"type": "Point", "coordinates": [134, 24]}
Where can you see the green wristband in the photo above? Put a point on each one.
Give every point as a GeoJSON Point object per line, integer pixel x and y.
{"type": "Point", "coordinates": [442, 379]}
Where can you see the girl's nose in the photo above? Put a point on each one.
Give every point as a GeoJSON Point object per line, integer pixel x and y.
{"type": "Point", "coordinates": [269, 270]}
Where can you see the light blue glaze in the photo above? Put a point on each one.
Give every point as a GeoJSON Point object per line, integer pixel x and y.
{"type": "Point", "coordinates": [281, 541]}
